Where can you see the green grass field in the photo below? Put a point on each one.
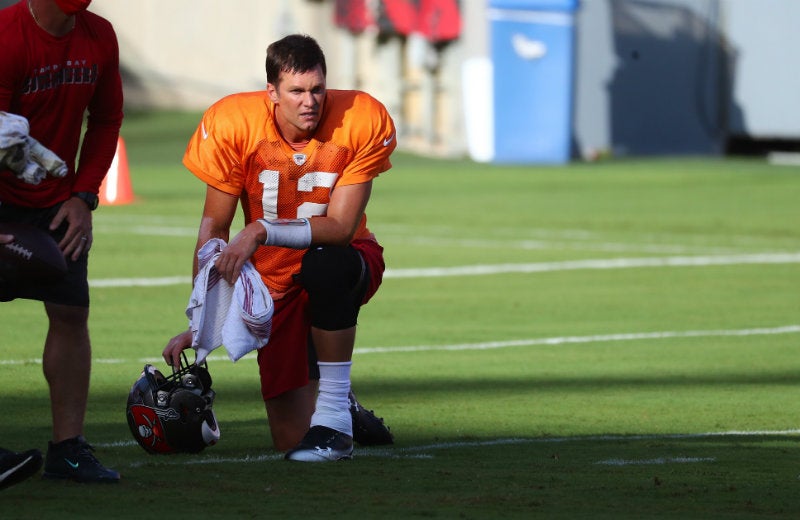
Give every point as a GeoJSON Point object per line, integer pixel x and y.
{"type": "Point", "coordinates": [607, 340]}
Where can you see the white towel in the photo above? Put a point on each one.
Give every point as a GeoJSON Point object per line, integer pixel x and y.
{"type": "Point", "coordinates": [238, 316]}
{"type": "Point", "coordinates": [24, 155]}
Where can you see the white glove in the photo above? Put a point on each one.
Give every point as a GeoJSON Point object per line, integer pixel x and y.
{"type": "Point", "coordinates": [52, 163]}
{"type": "Point", "coordinates": [24, 155]}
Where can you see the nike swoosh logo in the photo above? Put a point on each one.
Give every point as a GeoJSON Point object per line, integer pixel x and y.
{"type": "Point", "coordinates": [203, 129]}
{"type": "Point", "coordinates": [73, 464]}
{"type": "Point", "coordinates": [386, 142]}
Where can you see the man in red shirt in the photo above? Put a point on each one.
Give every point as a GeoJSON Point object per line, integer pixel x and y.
{"type": "Point", "coordinates": [59, 61]}
{"type": "Point", "coordinates": [301, 160]}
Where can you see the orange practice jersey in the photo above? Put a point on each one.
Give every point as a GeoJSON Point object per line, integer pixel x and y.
{"type": "Point", "coordinates": [237, 149]}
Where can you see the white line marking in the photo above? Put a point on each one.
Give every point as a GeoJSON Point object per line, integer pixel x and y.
{"type": "Point", "coordinates": [210, 460]}
{"type": "Point", "coordinates": [563, 340]}
{"type": "Point", "coordinates": [141, 282]}
{"type": "Point", "coordinates": [538, 267]}
{"type": "Point", "coordinates": [419, 452]}
{"type": "Point", "coordinates": [788, 329]}
{"type": "Point", "coordinates": [784, 158]}
{"type": "Point", "coordinates": [606, 438]}
{"type": "Point", "coordinates": [657, 461]}
{"type": "Point", "coordinates": [534, 244]}
{"type": "Point", "coordinates": [607, 263]}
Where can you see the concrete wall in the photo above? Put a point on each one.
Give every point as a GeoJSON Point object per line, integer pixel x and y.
{"type": "Point", "coordinates": [685, 76]}
{"type": "Point", "coordinates": [764, 38]}
{"type": "Point", "coordinates": [186, 54]}
{"type": "Point", "coordinates": [651, 76]}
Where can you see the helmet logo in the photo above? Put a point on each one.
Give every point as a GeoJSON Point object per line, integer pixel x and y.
{"type": "Point", "coordinates": [151, 432]}
{"type": "Point", "coordinates": [173, 414]}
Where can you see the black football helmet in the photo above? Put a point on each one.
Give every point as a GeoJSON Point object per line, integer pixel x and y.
{"type": "Point", "coordinates": [172, 414]}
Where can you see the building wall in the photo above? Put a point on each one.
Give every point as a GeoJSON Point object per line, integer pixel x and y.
{"type": "Point", "coordinates": [651, 76]}
{"type": "Point", "coordinates": [186, 54]}
{"type": "Point", "coordinates": [685, 76]}
{"type": "Point", "coordinates": [763, 37]}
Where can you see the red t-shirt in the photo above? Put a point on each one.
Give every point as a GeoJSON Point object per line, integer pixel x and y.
{"type": "Point", "coordinates": [53, 81]}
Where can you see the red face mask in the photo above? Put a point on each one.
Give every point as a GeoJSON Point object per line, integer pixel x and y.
{"type": "Point", "coordinates": [71, 7]}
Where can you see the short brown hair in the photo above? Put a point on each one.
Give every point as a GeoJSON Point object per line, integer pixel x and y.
{"type": "Point", "coordinates": [293, 53]}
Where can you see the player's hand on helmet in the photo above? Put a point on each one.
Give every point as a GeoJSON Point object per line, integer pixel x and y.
{"type": "Point", "coordinates": [230, 262]}
{"type": "Point", "coordinates": [172, 352]}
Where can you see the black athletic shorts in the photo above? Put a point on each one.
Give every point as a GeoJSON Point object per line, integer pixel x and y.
{"type": "Point", "coordinates": [73, 289]}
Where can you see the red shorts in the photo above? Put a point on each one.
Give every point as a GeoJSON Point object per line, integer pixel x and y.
{"type": "Point", "coordinates": [283, 362]}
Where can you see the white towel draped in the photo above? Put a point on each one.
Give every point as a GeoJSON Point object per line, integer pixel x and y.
{"type": "Point", "coordinates": [238, 316]}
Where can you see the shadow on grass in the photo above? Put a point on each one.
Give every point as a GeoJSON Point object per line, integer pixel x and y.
{"type": "Point", "coordinates": [419, 408]}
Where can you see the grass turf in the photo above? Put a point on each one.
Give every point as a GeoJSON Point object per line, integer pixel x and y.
{"type": "Point", "coordinates": [513, 393]}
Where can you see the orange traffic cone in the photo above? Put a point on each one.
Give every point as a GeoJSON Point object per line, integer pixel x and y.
{"type": "Point", "coordinates": [116, 187]}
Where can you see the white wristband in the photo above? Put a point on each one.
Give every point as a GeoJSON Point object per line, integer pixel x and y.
{"type": "Point", "coordinates": [293, 233]}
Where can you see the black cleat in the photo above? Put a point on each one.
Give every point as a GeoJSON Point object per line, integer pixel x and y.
{"type": "Point", "coordinates": [16, 467]}
{"type": "Point", "coordinates": [72, 459]}
{"type": "Point", "coordinates": [368, 430]}
{"type": "Point", "coordinates": [322, 444]}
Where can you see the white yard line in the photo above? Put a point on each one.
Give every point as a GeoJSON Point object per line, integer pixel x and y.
{"type": "Point", "coordinates": [599, 338]}
{"type": "Point", "coordinates": [558, 340]}
{"type": "Point", "coordinates": [537, 267]}
{"type": "Point", "coordinates": [606, 263]}
{"type": "Point", "coordinates": [545, 244]}
{"type": "Point", "coordinates": [425, 451]}
{"type": "Point", "coordinates": [654, 462]}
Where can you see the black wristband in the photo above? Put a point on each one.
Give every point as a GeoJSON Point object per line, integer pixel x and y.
{"type": "Point", "coordinates": [89, 198]}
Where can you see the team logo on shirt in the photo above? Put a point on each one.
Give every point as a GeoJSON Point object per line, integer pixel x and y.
{"type": "Point", "coordinates": [72, 72]}
{"type": "Point", "coordinates": [299, 159]}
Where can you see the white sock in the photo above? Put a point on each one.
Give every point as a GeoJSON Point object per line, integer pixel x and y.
{"type": "Point", "coordinates": [333, 407]}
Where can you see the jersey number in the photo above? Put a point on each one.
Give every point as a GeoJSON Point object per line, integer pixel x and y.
{"type": "Point", "coordinates": [306, 183]}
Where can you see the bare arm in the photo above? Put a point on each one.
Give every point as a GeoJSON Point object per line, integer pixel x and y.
{"type": "Point", "coordinates": [218, 213]}
{"type": "Point", "coordinates": [345, 211]}
{"type": "Point", "coordinates": [337, 227]}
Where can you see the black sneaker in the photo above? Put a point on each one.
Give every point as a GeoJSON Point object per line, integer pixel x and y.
{"type": "Point", "coordinates": [368, 430]}
{"type": "Point", "coordinates": [16, 467]}
{"type": "Point", "coordinates": [322, 444]}
{"type": "Point", "coordinates": [72, 459]}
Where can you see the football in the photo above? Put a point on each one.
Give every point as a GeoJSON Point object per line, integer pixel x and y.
{"type": "Point", "coordinates": [32, 257]}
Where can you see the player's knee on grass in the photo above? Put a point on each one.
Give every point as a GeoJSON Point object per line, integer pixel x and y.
{"type": "Point", "coordinates": [289, 415]}
{"type": "Point", "coordinates": [336, 280]}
